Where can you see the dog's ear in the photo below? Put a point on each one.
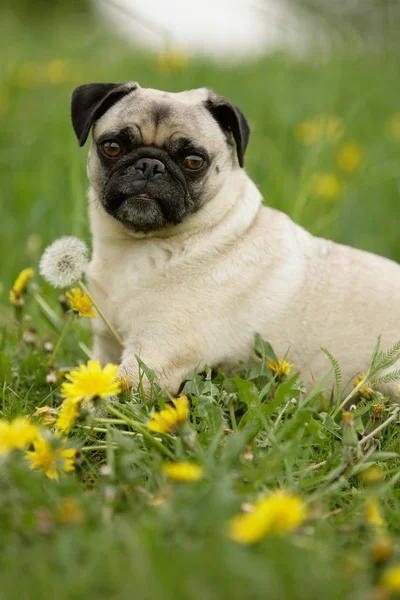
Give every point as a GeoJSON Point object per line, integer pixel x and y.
{"type": "Point", "coordinates": [91, 100]}
{"type": "Point", "coordinates": [232, 120]}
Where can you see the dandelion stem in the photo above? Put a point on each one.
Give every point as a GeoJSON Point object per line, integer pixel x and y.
{"type": "Point", "coordinates": [85, 349]}
{"type": "Point", "coordinates": [109, 421]}
{"type": "Point", "coordinates": [279, 417]}
{"type": "Point", "coordinates": [50, 314]}
{"type": "Point", "coordinates": [19, 318]}
{"type": "Point", "coordinates": [141, 429]}
{"type": "Point", "coordinates": [233, 416]}
{"type": "Point", "coordinates": [311, 468]}
{"type": "Point", "coordinates": [104, 430]}
{"type": "Point", "coordinates": [61, 338]}
{"type": "Point", "coordinates": [350, 396]}
{"type": "Point", "coordinates": [89, 448]}
{"type": "Point", "coordinates": [381, 426]}
{"type": "Point", "coordinates": [108, 324]}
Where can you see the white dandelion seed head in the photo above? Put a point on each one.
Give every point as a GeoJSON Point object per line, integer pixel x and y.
{"type": "Point", "coordinates": [64, 261]}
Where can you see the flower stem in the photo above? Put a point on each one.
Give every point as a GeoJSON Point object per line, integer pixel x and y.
{"type": "Point", "coordinates": [104, 430]}
{"type": "Point", "coordinates": [141, 429]}
{"type": "Point", "coordinates": [89, 448]}
{"type": "Point", "coordinates": [49, 313]}
{"type": "Point", "coordinates": [339, 407]}
{"type": "Point", "coordinates": [61, 338]}
{"type": "Point", "coordinates": [233, 416]}
{"type": "Point", "coordinates": [382, 426]}
{"type": "Point", "coordinates": [109, 421]}
{"type": "Point", "coordinates": [108, 324]}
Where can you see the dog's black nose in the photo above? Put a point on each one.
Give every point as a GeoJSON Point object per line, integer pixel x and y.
{"type": "Point", "coordinates": [150, 167]}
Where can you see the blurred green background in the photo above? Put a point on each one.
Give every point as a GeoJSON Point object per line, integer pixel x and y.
{"type": "Point", "coordinates": [325, 143]}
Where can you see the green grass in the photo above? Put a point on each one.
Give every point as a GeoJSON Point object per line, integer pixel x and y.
{"type": "Point", "coordinates": [125, 546]}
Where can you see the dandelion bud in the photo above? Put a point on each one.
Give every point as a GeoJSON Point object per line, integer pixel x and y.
{"type": "Point", "coordinates": [377, 411]}
{"type": "Point", "coordinates": [382, 550]}
{"type": "Point", "coordinates": [29, 336]}
{"type": "Point", "coordinates": [365, 390]}
{"type": "Point", "coordinates": [349, 433]}
{"type": "Point", "coordinates": [51, 377]}
{"type": "Point", "coordinates": [45, 415]}
{"type": "Point", "coordinates": [347, 418]}
{"type": "Point", "coordinates": [105, 471]}
{"type": "Point", "coordinates": [125, 383]}
{"type": "Point", "coordinates": [64, 261]}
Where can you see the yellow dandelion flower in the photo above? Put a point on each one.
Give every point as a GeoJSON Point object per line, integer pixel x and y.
{"type": "Point", "coordinates": [280, 367]}
{"type": "Point", "coordinates": [53, 461]}
{"type": "Point", "coordinates": [393, 126]}
{"type": "Point", "coordinates": [181, 405]}
{"type": "Point", "coordinates": [81, 303]}
{"type": "Point", "coordinates": [277, 513]}
{"type": "Point", "coordinates": [309, 132]}
{"type": "Point", "coordinates": [20, 286]}
{"type": "Point", "coordinates": [166, 420]}
{"type": "Point", "coordinates": [56, 71]}
{"type": "Point", "coordinates": [382, 549]}
{"type": "Point", "coordinates": [183, 471]}
{"type": "Point", "coordinates": [16, 435]}
{"type": "Point", "coordinates": [91, 382]}
{"type": "Point", "coordinates": [70, 511]}
{"type": "Point", "coordinates": [348, 158]}
{"type": "Point", "coordinates": [366, 390]}
{"type": "Point", "coordinates": [326, 186]}
{"type": "Point", "coordinates": [45, 415]}
{"type": "Point", "coordinates": [390, 579]}
{"type": "Point", "coordinates": [374, 474]}
{"type": "Point", "coordinates": [69, 413]}
{"type": "Point", "coordinates": [322, 128]}
{"type": "Point", "coordinates": [373, 513]}
{"type": "Point", "coordinates": [172, 61]}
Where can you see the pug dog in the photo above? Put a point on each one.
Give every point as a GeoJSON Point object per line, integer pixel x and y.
{"type": "Point", "coordinates": [189, 264]}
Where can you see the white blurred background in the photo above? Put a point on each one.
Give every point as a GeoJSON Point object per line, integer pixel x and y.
{"type": "Point", "coordinates": [222, 29]}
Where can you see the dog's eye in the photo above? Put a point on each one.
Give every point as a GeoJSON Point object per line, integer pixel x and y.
{"type": "Point", "coordinates": [111, 149]}
{"type": "Point", "coordinates": [193, 162]}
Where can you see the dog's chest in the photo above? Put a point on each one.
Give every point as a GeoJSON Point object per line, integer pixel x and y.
{"type": "Point", "coordinates": [141, 282]}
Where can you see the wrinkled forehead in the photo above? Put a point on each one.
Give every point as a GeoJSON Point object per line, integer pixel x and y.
{"type": "Point", "coordinates": [158, 116]}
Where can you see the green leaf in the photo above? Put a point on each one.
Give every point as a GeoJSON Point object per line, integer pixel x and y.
{"type": "Point", "coordinates": [248, 392]}
{"type": "Point", "coordinates": [337, 371]}
{"type": "Point", "coordinates": [330, 425]}
{"type": "Point", "coordinates": [249, 395]}
{"type": "Point", "coordinates": [236, 443]}
{"type": "Point", "coordinates": [319, 388]}
{"type": "Point", "coordinates": [284, 389]}
{"type": "Point", "coordinates": [264, 349]}
{"type": "Point", "coordinates": [150, 374]}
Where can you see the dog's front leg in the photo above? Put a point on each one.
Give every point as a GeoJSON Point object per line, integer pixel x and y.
{"type": "Point", "coordinates": [171, 362]}
{"type": "Point", "coordinates": [105, 347]}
